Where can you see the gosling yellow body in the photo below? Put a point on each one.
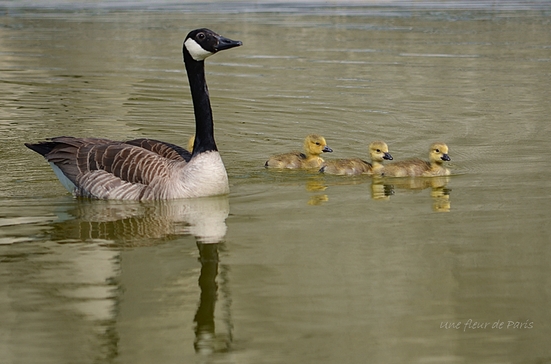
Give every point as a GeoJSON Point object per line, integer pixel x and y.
{"type": "Point", "coordinates": [314, 146]}
{"type": "Point", "coordinates": [378, 151]}
{"type": "Point", "coordinates": [438, 154]}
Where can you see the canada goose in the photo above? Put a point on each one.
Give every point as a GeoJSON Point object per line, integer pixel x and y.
{"type": "Point", "coordinates": [147, 169]}
{"type": "Point", "coordinates": [314, 145]}
{"type": "Point", "coordinates": [378, 152]}
{"type": "Point", "coordinates": [438, 153]}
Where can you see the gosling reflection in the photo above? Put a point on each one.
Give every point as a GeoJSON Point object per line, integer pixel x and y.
{"type": "Point", "coordinates": [380, 190]}
{"type": "Point", "coordinates": [316, 184]}
{"type": "Point", "coordinates": [384, 188]}
{"type": "Point", "coordinates": [440, 193]}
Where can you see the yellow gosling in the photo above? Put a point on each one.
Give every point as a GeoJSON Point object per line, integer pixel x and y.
{"type": "Point", "coordinates": [378, 151]}
{"type": "Point", "coordinates": [190, 143]}
{"type": "Point", "coordinates": [438, 154]}
{"type": "Point", "coordinates": [314, 146]}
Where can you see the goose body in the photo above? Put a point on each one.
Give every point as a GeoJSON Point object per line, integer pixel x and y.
{"type": "Point", "coordinates": [438, 154]}
{"type": "Point", "coordinates": [314, 146]}
{"type": "Point", "coordinates": [148, 169]}
{"type": "Point", "coordinates": [378, 151]}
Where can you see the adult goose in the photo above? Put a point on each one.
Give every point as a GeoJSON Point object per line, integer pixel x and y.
{"type": "Point", "coordinates": [314, 145]}
{"type": "Point", "coordinates": [148, 169]}
{"type": "Point", "coordinates": [378, 152]}
{"type": "Point", "coordinates": [438, 154]}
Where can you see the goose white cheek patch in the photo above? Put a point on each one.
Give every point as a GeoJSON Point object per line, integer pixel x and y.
{"type": "Point", "coordinates": [196, 51]}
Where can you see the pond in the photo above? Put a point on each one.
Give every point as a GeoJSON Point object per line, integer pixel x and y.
{"type": "Point", "coordinates": [291, 266]}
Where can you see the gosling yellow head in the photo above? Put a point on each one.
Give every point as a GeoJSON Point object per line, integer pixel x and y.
{"type": "Point", "coordinates": [378, 151]}
{"type": "Point", "coordinates": [438, 153]}
{"type": "Point", "coordinates": [315, 144]}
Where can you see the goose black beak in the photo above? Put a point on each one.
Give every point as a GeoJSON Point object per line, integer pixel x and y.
{"type": "Point", "coordinates": [388, 157]}
{"type": "Point", "coordinates": [326, 149]}
{"type": "Point", "coordinates": [226, 43]}
{"type": "Point", "coordinates": [446, 157]}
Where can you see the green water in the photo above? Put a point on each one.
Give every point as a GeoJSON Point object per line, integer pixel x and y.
{"type": "Point", "coordinates": [305, 267]}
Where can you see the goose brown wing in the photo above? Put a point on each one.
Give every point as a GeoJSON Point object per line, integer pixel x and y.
{"type": "Point", "coordinates": [164, 149]}
{"type": "Point", "coordinates": [79, 157]}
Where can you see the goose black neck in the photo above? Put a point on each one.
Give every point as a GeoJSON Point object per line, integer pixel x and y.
{"type": "Point", "coordinates": [204, 126]}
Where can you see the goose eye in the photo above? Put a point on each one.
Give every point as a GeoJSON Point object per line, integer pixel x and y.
{"type": "Point", "coordinates": [437, 150]}
{"type": "Point", "coordinates": [378, 151]}
{"type": "Point", "coordinates": [318, 143]}
{"type": "Point", "coordinates": [201, 36]}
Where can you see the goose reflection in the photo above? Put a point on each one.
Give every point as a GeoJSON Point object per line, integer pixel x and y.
{"type": "Point", "coordinates": [207, 341]}
{"type": "Point", "coordinates": [144, 223]}
{"type": "Point", "coordinates": [116, 224]}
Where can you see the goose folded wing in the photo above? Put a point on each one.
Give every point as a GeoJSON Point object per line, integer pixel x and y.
{"type": "Point", "coordinates": [164, 149]}
{"type": "Point", "coordinates": [80, 158]}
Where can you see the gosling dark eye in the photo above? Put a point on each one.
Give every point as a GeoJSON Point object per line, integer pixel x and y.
{"type": "Point", "coordinates": [318, 143]}
{"type": "Point", "coordinates": [378, 151]}
{"type": "Point", "coordinates": [437, 150]}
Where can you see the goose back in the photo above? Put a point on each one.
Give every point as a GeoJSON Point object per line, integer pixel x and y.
{"type": "Point", "coordinates": [164, 149]}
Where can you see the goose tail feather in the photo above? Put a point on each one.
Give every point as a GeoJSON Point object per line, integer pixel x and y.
{"type": "Point", "coordinates": [42, 148]}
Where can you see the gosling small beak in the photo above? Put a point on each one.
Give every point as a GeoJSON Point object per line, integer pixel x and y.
{"type": "Point", "coordinates": [446, 157]}
{"type": "Point", "coordinates": [226, 43]}
{"type": "Point", "coordinates": [326, 149]}
{"type": "Point", "coordinates": [388, 157]}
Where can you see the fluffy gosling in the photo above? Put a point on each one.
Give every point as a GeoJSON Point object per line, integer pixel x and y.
{"type": "Point", "coordinates": [378, 151]}
{"type": "Point", "coordinates": [438, 154]}
{"type": "Point", "coordinates": [314, 146]}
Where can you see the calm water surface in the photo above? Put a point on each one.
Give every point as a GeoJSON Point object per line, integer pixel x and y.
{"type": "Point", "coordinates": [291, 267]}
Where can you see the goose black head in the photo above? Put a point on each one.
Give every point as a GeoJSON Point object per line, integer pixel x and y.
{"type": "Point", "coordinates": [202, 43]}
